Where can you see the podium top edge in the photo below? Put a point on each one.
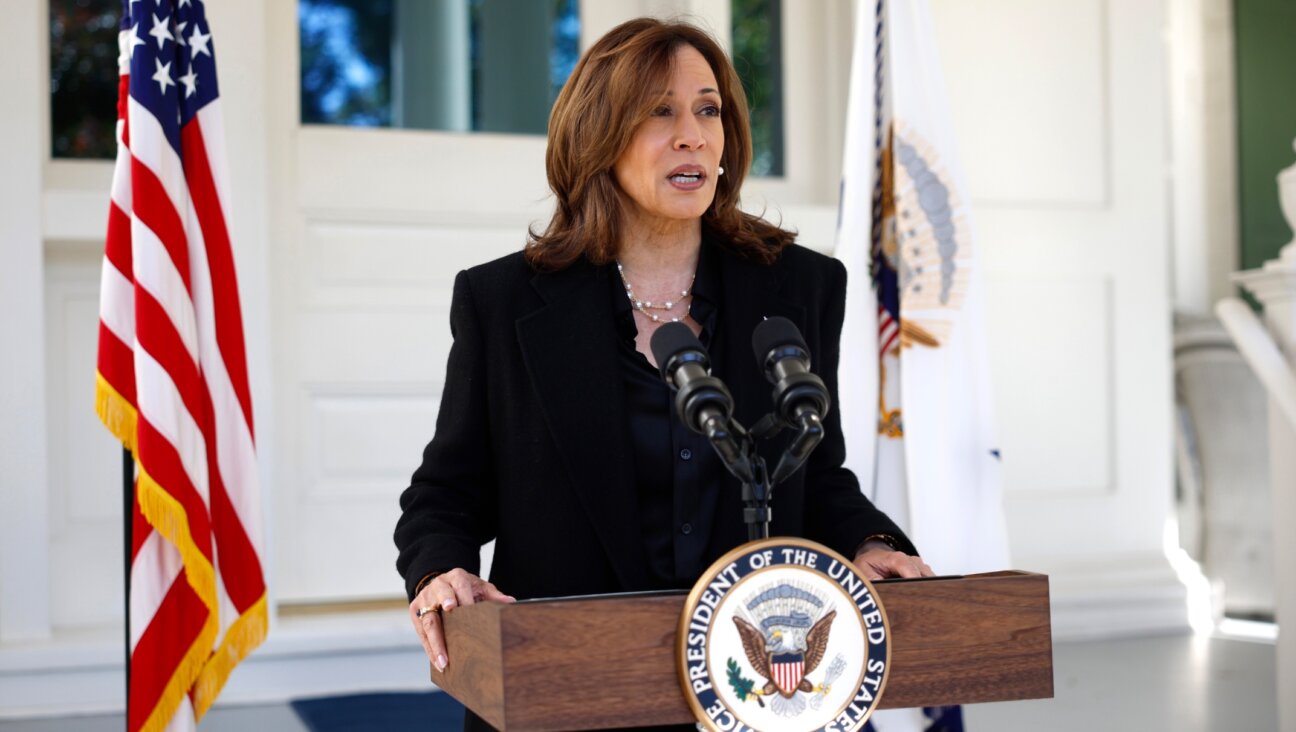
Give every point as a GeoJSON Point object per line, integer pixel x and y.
{"type": "Point", "coordinates": [1000, 574]}
{"type": "Point", "coordinates": [642, 594]}
{"type": "Point", "coordinates": [651, 594]}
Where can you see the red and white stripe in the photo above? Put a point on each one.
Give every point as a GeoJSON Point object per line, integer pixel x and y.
{"type": "Point", "coordinates": [787, 676]}
{"type": "Point", "coordinates": [888, 331]}
{"type": "Point", "coordinates": [173, 386]}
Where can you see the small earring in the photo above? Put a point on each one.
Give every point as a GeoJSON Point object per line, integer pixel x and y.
{"type": "Point", "coordinates": [721, 170]}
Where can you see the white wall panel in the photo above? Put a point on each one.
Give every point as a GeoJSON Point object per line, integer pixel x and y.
{"type": "Point", "coordinates": [88, 459]}
{"type": "Point", "coordinates": [353, 346]}
{"type": "Point", "coordinates": [381, 263]}
{"type": "Point", "coordinates": [363, 443]}
{"type": "Point", "coordinates": [359, 444]}
{"type": "Point", "coordinates": [85, 487]}
{"type": "Point", "coordinates": [1028, 91]}
{"type": "Point", "coordinates": [340, 552]}
{"type": "Point", "coordinates": [1051, 364]}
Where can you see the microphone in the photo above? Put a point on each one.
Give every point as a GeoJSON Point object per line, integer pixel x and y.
{"type": "Point", "coordinates": [785, 359]}
{"type": "Point", "coordinates": [702, 400]}
{"type": "Point", "coordinates": [801, 399]}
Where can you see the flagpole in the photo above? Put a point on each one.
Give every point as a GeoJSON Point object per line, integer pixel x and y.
{"type": "Point", "coordinates": [128, 495]}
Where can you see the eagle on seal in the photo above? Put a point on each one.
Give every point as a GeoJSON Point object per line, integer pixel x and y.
{"type": "Point", "coordinates": [785, 669]}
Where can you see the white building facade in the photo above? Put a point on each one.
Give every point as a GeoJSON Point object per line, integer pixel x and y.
{"type": "Point", "coordinates": [347, 241]}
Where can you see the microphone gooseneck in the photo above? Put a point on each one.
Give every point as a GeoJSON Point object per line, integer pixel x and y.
{"type": "Point", "coordinates": [800, 398]}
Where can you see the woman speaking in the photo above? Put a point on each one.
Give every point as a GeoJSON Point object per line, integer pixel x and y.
{"type": "Point", "coordinates": [557, 436]}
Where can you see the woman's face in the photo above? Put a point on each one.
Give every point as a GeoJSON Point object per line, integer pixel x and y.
{"type": "Point", "coordinates": [670, 168]}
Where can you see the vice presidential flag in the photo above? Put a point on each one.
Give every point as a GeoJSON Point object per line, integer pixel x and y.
{"type": "Point", "coordinates": [171, 381]}
{"type": "Point", "coordinates": [914, 381]}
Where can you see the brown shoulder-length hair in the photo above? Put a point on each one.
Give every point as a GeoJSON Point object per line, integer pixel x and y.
{"type": "Point", "coordinates": [612, 90]}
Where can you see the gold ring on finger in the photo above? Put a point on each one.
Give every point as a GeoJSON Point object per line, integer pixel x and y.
{"type": "Point", "coordinates": [424, 611]}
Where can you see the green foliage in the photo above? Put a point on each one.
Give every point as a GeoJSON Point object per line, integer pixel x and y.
{"type": "Point", "coordinates": [742, 687]}
{"type": "Point", "coordinates": [83, 78]}
{"type": "Point", "coordinates": [757, 57]}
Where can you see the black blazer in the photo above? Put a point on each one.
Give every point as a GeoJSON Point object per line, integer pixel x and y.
{"type": "Point", "coordinates": [532, 447]}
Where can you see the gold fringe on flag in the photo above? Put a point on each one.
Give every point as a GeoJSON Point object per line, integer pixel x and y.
{"type": "Point", "coordinates": [244, 635]}
{"type": "Point", "coordinates": [165, 514]}
{"type": "Point", "coordinates": [117, 414]}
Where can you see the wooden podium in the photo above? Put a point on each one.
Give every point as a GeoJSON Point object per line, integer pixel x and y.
{"type": "Point", "coordinates": [609, 661]}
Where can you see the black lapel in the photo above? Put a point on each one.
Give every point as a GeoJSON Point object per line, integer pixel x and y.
{"type": "Point", "coordinates": [751, 294]}
{"type": "Point", "coordinates": [570, 350]}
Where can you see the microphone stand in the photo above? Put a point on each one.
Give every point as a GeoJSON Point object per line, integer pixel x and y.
{"type": "Point", "coordinates": [756, 497]}
{"type": "Point", "coordinates": [737, 450]}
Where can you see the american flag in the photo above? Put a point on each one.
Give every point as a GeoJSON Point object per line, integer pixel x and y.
{"type": "Point", "coordinates": [172, 379]}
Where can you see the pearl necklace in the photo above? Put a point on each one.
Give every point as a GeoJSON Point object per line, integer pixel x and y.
{"type": "Point", "coordinates": [644, 306]}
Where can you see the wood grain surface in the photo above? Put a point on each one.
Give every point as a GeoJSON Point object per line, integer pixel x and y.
{"type": "Point", "coordinates": [475, 672]}
{"type": "Point", "coordinates": [961, 641]}
{"type": "Point", "coordinates": [623, 675]}
{"type": "Point", "coordinates": [608, 662]}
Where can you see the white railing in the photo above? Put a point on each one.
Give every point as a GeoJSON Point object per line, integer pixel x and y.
{"type": "Point", "coordinates": [1261, 353]}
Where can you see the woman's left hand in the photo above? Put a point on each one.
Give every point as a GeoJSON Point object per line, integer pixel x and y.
{"type": "Point", "coordinates": [879, 561]}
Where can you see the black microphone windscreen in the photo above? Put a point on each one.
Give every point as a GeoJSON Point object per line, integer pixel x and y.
{"type": "Point", "coordinates": [671, 339]}
{"type": "Point", "coordinates": [774, 332]}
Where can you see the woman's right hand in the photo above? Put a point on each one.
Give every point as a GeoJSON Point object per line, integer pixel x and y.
{"type": "Point", "coordinates": [444, 593]}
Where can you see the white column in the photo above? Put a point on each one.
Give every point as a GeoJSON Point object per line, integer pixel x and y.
{"type": "Point", "coordinates": [514, 66]}
{"type": "Point", "coordinates": [431, 68]}
{"type": "Point", "coordinates": [1203, 173]}
{"type": "Point", "coordinates": [24, 512]}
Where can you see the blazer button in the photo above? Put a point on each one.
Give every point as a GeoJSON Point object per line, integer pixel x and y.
{"type": "Point", "coordinates": [686, 454]}
{"type": "Point", "coordinates": [686, 528]}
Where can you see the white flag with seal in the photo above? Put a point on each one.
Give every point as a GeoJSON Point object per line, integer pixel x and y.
{"type": "Point", "coordinates": [915, 383]}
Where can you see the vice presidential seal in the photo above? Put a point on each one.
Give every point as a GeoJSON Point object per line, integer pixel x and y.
{"type": "Point", "coordinates": [783, 634]}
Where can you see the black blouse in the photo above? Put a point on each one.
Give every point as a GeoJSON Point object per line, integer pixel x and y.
{"type": "Point", "coordinates": [678, 476]}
